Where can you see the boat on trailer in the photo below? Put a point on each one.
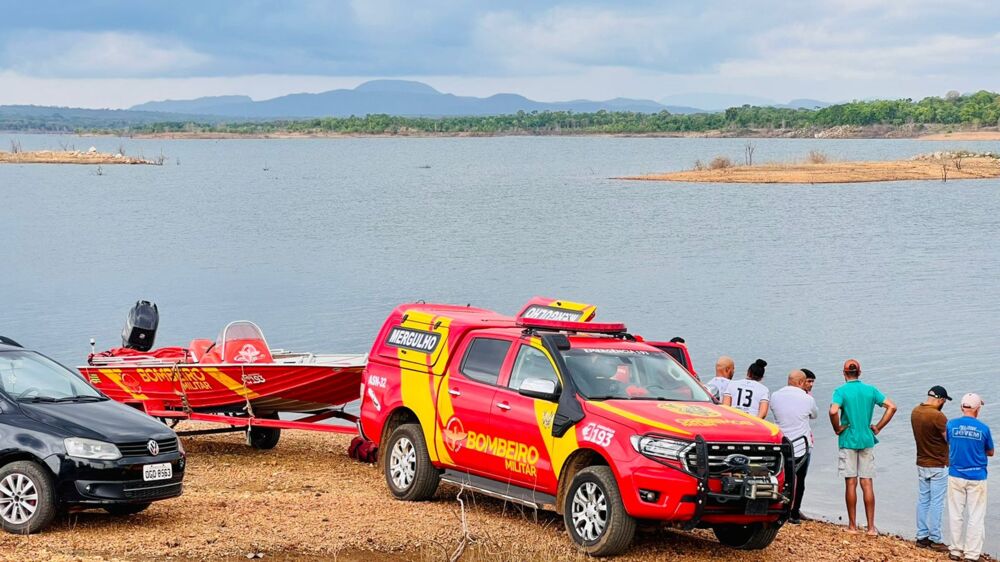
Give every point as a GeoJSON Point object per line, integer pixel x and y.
{"type": "Point", "coordinates": [237, 380]}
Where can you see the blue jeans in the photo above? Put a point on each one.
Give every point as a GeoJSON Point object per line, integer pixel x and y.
{"type": "Point", "coordinates": [930, 502]}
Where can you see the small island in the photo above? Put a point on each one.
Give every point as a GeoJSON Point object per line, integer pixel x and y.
{"type": "Point", "coordinates": [817, 168]}
{"type": "Point", "coordinates": [91, 156]}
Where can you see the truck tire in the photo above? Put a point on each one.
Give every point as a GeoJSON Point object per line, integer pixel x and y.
{"type": "Point", "coordinates": [756, 536]}
{"type": "Point", "coordinates": [595, 515]}
{"type": "Point", "coordinates": [27, 498]}
{"type": "Point", "coordinates": [125, 509]}
{"type": "Point", "coordinates": [408, 469]}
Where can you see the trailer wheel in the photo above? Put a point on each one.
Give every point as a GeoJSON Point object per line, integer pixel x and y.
{"type": "Point", "coordinates": [263, 438]}
{"type": "Point", "coordinates": [408, 469]}
{"type": "Point", "coordinates": [595, 515]}
{"type": "Point", "coordinates": [756, 536]}
{"type": "Point", "coordinates": [27, 498]}
{"type": "Point", "coordinates": [126, 509]}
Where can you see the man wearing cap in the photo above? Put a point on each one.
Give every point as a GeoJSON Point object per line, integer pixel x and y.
{"type": "Point", "coordinates": [851, 417]}
{"type": "Point", "coordinates": [792, 408]}
{"type": "Point", "coordinates": [932, 467]}
{"type": "Point", "coordinates": [969, 444]}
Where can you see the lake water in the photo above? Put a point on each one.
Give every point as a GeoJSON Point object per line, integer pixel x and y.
{"type": "Point", "coordinates": [320, 245]}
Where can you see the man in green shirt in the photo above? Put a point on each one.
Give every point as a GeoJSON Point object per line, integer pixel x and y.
{"type": "Point", "coordinates": [851, 416]}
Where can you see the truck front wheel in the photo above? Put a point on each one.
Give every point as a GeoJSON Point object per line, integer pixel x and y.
{"type": "Point", "coordinates": [595, 515]}
{"type": "Point", "coordinates": [408, 469]}
{"type": "Point", "coordinates": [756, 536]}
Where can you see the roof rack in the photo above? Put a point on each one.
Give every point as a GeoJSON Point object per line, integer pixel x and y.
{"type": "Point", "coordinates": [535, 325]}
{"type": "Point", "coordinates": [7, 341]}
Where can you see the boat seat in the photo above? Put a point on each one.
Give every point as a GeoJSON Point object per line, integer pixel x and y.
{"type": "Point", "coordinates": [198, 348]}
{"type": "Point", "coordinates": [247, 351]}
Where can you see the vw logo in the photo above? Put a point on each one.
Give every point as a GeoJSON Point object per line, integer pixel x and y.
{"type": "Point", "coordinates": [737, 461]}
{"type": "Point", "coordinates": [154, 447]}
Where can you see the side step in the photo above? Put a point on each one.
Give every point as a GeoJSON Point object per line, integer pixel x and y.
{"type": "Point", "coordinates": [500, 490]}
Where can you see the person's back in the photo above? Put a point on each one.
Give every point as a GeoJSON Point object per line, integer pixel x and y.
{"type": "Point", "coordinates": [747, 394]}
{"type": "Point", "coordinates": [857, 400]}
{"type": "Point", "coordinates": [928, 424]}
{"type": "Point", "coordinates": [970, 444]}
{"type": "Point", "coordinates": [969, 439]}
{"type": "Point", "coordinates": [792, 409]}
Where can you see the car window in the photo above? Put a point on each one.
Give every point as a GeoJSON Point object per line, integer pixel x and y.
{"type": "Point", "coordinates": [631, 374]}
{"type": "Point", "coordinates": [531, 363]}
{"type": "Point", "coordinates": [483, 359]}
{"type": "Point", "coordinates": [26, 375]}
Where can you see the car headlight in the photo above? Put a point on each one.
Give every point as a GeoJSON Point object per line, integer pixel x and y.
{"type": "Point", "coordinates": [90, 449]}
{"type": "Point", "coordinates": [670, 449]}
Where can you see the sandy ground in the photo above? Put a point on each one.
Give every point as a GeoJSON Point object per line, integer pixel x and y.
{"type": "Point", "coordinates": [68, 157]}
{"type": "Point", "coordinates": [306, 500]}
{"type": "Point", "coordinates": [838, 172]}
{"type": "Point", "coordinates": [964, 136]}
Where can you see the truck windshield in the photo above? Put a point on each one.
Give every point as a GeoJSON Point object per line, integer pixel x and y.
{"type": "Point", "coordinates": [628, 374]}
{"type": "Point", "coordinates": [30, 377]}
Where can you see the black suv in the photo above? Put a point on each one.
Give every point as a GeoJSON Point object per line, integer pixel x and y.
{"type": "Point", "coordinates": [64, 444]}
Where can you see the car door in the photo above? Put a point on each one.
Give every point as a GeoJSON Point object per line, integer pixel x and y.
{"type": "Point", "coordinates": [524, 424]}
{"type": "Point", "coordinates": [464, 402]}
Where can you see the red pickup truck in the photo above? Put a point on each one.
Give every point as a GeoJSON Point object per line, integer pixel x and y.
{"type": "Point", "coordinates": [554, 411]}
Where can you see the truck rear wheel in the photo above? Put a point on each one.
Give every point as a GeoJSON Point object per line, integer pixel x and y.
{"type": "Point", "coordinates": [756, 536]}
{"type": "Point", "coordinates": [595, 515]}
{"type": "Point", "coordinates": [263, 438]}
{"type": "Point", "coordinates": [408, 469]}
{"type": "Point", "coordinates": [27, 498]}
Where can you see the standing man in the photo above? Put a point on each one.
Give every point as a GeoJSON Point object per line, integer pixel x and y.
{"type": "Point", "coordinates": [793, 408]}
{"type": "Point", "coordinates": [851, 417]}
{"type": "Point", "coordinates": [810, 380]}
{"type": "Point", "coordinates": [969, 444]}
{"type": "Point", "coordinates": [932, 467]}
{"type": "Point", "coordinates": [749, 395]}
{"type": "Point", "coordinates": [724, 368]}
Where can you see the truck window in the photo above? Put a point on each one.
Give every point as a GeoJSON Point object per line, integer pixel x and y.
{"type": "Point", "coordinates": [483, 359]}
{"type": "Point", "coordinates": [531, 364]}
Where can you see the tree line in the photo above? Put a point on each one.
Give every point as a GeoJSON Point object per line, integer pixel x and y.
{"type": "Point", "coordinates": [974, 110]}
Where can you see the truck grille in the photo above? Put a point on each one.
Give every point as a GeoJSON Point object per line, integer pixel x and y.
{"type": "Point", "coordinates": [141, 448]}
{"type": "Point", "coordinates": [760, 454]}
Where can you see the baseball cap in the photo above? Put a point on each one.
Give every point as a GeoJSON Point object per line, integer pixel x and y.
{"type": "Point", "coordinates": [972, 400]}
{"type": "Point", "coordinates": [938, 391]}
{"type": "Point", "coordinates": [852, 367]}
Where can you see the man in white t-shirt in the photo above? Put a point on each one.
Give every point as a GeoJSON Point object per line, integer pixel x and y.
{"type": "Point", "coordinates": [792, 408]}
{"type": "Point", "coordinates": [724, 369]}
{"type": "Point", "coordinates": [749, 395]}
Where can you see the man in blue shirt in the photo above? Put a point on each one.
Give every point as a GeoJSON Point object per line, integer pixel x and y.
{"type": "Point", "coordinates": [969, 444]}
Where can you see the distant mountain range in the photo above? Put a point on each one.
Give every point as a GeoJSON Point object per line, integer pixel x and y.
{"type": "Point", "coordinates": [392, 97]}
{"type": "Point", "coordinates": [712, 101]}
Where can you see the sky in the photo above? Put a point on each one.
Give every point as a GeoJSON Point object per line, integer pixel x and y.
{"type": "Point", "coordinates": [108, 53]}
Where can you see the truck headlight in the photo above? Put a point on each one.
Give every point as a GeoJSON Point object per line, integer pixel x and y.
{"type": "Point", "coordinates": [660, 447]}
{"type": "Point", "coordinates": [90, 449]}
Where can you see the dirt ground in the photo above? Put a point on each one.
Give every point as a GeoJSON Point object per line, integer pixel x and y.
{"type": "Point", "coordinates": [839, 172]}
{"type": "Point", "coordinates": [963, 136]}
{"type": "Point", "coordinates": [306, 500]}
{"type": "Point", "coordinates": [68, 157]}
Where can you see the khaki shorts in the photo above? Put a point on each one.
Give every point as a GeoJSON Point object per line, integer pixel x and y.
{"type": "Point", "coordinates": [856, 463]}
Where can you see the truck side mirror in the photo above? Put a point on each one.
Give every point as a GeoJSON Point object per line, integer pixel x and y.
{"type": "Point", "coordinates": [543, 389]}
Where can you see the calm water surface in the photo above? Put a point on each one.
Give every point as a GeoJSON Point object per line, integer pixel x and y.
{"type": "Point", "coordinates": [318, 247]}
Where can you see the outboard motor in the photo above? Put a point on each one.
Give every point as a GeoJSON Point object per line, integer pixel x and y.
{"type": "Point", "coordinates": [140, 326]}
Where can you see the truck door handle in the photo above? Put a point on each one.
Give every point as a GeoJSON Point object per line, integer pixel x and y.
{"type": "Point", "coordinates": [454, 392]}
{"type": "Point", "coordinates": [503, 406]}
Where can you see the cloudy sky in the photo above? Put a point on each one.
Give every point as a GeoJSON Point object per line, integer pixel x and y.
{"type": "Point", "coordinates": [106, 53]}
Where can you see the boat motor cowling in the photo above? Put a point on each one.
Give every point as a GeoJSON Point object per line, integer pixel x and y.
{"type": "Point", "coordinates": [140, 326]}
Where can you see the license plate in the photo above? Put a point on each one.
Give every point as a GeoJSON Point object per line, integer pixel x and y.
{"type": "Point", "coordinates": [160, 471]}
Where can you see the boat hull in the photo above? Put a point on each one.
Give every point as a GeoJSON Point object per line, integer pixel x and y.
{"type": "Point", "coordinates": [267, 388]}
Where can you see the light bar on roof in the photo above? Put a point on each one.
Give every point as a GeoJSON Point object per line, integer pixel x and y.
{"type": "Point", "coordinates": [543, 308]}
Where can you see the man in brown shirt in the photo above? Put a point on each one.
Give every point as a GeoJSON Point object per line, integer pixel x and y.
{"type": "Point", "coordinates": [929, 430]}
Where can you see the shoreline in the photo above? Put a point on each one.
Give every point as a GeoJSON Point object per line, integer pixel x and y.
{"type": "Point", "coordinates": [923, 168]}
{"type": "Point", "coordinates": [89, 157]}
{"type": "Point", "coordinates": [873, 132]}
{"type": "Point", "coordinates": [236, 505]}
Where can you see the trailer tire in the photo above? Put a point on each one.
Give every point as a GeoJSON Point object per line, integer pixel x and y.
{"type": "Point", "coordinates": [408, 469]}
{"type": "Point", "coordinates": [263, 438]}
{"type": "Point", "coordinates": [24, 482]}
{"type": "Point", "coordinates": [126, 509]}
{"type": "Point", "coordinates": [593, 491]}
{"type": "Point", "coordinates": [756, 536]}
